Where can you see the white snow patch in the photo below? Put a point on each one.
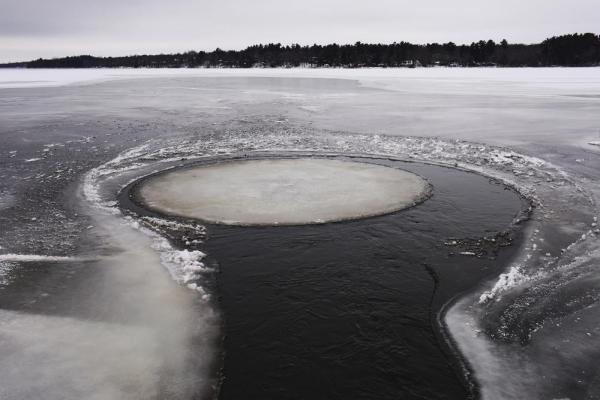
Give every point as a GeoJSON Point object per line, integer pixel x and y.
{"type": "Point", "coordinates": [505, 281]}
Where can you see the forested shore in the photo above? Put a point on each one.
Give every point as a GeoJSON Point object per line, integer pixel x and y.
{"type": "Point", "coordinates": [572, 50]}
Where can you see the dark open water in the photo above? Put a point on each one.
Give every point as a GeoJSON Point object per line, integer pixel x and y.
{"type": "Point", "coordinates": [349, 310]}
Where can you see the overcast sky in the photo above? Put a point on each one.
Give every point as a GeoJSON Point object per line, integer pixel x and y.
{"type": "Point", "coordinates": [52, 28]}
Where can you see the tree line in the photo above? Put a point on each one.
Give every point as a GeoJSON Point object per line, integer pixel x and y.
{"type": "Point", "coordinates": [567, 50]}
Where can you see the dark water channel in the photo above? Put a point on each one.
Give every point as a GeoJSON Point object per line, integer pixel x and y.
{"type": "Point", "coordinates": [349, 310]}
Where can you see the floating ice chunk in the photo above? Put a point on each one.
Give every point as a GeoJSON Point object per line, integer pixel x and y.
{"type": "Point", "coordinates": [284, 191]}
{"type": "Point", "coordinates": [175, 225]}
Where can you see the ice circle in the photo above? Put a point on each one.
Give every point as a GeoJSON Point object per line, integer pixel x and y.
{"type": "Point", "coordinates": [282, 191]}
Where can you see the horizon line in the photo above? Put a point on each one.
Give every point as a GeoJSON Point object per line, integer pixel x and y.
{"type": "Point", "coordinates": [289, 45]}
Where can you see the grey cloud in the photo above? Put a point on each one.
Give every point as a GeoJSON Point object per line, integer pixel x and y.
{"type": "Point", "coordinates": [61, 27]}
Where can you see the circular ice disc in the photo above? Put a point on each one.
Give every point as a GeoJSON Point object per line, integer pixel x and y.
{"type": "Point", "coordinates": [282, 191]}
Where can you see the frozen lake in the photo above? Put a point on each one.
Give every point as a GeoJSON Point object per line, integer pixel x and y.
{"type": "Point", "coordinates": [70, 140]}
{"type": "Point", "coordinates": [539, 106]}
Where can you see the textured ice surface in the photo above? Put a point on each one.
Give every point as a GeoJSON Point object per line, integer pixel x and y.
{"type": "Point", "coordinates": [294, 191]}
{"type": "Point", "coordinates": [35, 257]}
